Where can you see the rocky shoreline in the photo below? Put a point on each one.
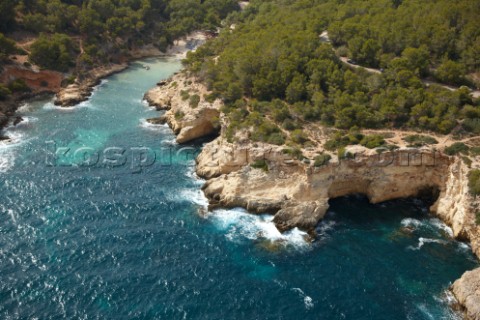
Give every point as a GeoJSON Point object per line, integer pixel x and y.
{"type": "Point", "coordinates": [82, 89]}
{"type": "Point", "coordinates": [262, 178]}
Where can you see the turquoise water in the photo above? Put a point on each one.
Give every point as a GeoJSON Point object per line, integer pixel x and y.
{"type": "Point", "coordinates": [99, 241]}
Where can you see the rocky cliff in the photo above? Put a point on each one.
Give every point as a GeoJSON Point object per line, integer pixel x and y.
{"type": "Point", "coordinates": [187, 112]}
{"type": "Point", "coordinates": [467, 292]}
{"type": "Point", "coordinates": [264, 178]}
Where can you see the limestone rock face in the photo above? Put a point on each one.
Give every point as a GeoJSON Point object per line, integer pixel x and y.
{"type": "Point", "coordinates": [72, 95]}
{"type": "Point", "coordinates": [467, 291]}
{"type": "Point", "coordinates": [159, 120]}
{"type": "Point", "coordinates": [304, 215]}
{"type": "Point", "coordinates": [188, 113]}
{"type": "Point", "coordinates": [82, 89]}
{"type": "Point", "coordinates": [300, 192]}
{"type": "Point", "coordinates": [263, 179]}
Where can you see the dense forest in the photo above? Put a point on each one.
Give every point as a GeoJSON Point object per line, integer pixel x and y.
{"type": "Point", "coordinates": [107, 28]}
{"type": "Point", "coordinates": [273, 62]}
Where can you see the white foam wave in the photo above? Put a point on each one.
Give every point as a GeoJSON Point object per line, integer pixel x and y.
{"type": "Point", "coordinates": [26, 122]}
{"type": "Point", "coordinates": [51, 106]}
{"type": "Point", "coordinates": [147, 106]}
{"type": "Point", "coordinates": [410, 222]}
{"type": "Point", "coordinates": [323, 227]}
{"type": "Point", "coordinates": [437, 223]}
{"type": "Point", "coordinates": [147, 125]}
{"type": "Point", "coordinates": [424, 310]}
{"type": "Point", "coordinates": [423, 241]}
{"type": "Point", "coordinates": [192, 175]}
{"type": "Point", "coordinates": [307, 300]}
{"type": "Point", "coordinates": [7, 160]}
{"type": "Point", "coordinates": [239, 224]}
{"type": "Point", "coordinates": [462, 246]}
{"type": "Point", "coordinates": [15, 138]}
{"type": "Point", "coordinates": [25, 107]}
{"type": "Point", "coordinates": [170, 142]}
{"type": "Point", "coordinates": [195, 196]}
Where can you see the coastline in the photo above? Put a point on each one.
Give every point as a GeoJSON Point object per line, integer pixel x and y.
{"type": "Point", "coordinates": [233, 182]}
{"type": "Point", "coordinates": [81, 90]}
{"type": "Point", "coordinates": [298, 194]}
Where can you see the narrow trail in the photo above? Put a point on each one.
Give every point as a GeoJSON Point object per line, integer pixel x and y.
{"type": "Point", "coordinates": [325, 38]}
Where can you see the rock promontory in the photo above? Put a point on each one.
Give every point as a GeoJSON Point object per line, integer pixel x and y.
{"type": "Point", "coordinates": [187, 112]}
{"type": "Point", "coordinates": [263, 178]}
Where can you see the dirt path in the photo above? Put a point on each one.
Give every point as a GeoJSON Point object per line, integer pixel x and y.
{"type": "Point", "coordinates": [325, 38]}
{"type": "Point", "coordinates": [345, 60]}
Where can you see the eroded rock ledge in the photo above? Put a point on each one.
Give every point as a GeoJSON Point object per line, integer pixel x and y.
{"type": "Point", "coordinates": [467, 292]}
{"type": "Point", "coordinates": [187, 112]}
{"type": "Point", "coordinates": [297, 193]}
{"type": "Point", "coordinates": [82, 89]}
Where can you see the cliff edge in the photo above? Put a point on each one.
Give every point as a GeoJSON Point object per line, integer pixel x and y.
{"type": "Point", "coordinates": [263, 178]}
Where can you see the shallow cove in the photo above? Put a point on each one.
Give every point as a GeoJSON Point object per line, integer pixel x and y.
{"type": "Point", "coordinates": [97, 242]}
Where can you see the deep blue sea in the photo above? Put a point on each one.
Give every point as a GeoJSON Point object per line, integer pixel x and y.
{"type": "Point", "coordinates": [102, 231]}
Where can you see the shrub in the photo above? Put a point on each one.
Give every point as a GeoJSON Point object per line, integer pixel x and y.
{"type": "Point", "coordinates": [7, 46]}
{"type": "Point", "coordinates": [18, 85]}
{"type": "Point", "coordinates": [294, 152]}
{"type": "Point", "coordinates": [456, 148]}
{"type": "Point", "coordinates": [450, 72]}
{"type": "Point", "coordinates": [477, 217]}
{"type": "Point", "coordinates": [373, 141]}
{"type": "Point", "coordinates": [185, 95]}
{"type": "Point", "coordinates": [276, 138]}
{"type": "Point", "coordinates": [471, 112]}
{"type": "Point", "coordinates": [265, 131]}
{"type": "Point", "coordinates": [417, 140]}
{"type": "Point", "coordinates": [71, 79]}
{"type": "Point", "coordinates": [298, 136]}
{"type": "Point", "coordinates": [4, 92]}
{"type": "Point", "coordinates": [289, 125]}
{"type": "Point", "coordinates": [344, 154]}
{"type": "Point", "coordinates": [472, 125]}
{"type": "Point", "coordinates": [340, 139]}
{"type": "Point", "coordinates": [179, 115]}
{"type": "Point", "coordinates": [55, 52]}
{"type": "Point", "coordinates": [210, 98]}
{"type": "Point", "coordinates": [467, 161]}
{"type": "Point", "coordinates": [260, 164]}
{"type": "Point", "coordinates": [322, 159]}
{"type": "Point", "coordinates": [474, 182]}
{"type": "Point", "coordinates": [475, 151]}
{"type": "Point", "coordinates": [194, 101]}
{"type": "Point", "coordinates": [215, 122]}
{"type": "Point", "coordinates": [280, 111]}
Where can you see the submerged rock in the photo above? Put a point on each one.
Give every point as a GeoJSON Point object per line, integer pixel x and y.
{"type": "Point", "coordinates": [159, 120]}
{"type": "Point", "coordinates": [17, 120]}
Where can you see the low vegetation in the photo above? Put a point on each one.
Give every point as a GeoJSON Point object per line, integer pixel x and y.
{"type": "Point", "coordinates": [277, 60]}
{"type": "Point", "coordinates": [194, 101]}
{"type": "Point", "coordinates": [373, 141]}
{"type": "Point", "coordinates": [260, 164]}
{"type": "Point", "coordinates": [322, 159]}
{"type": "Point", "coordinates": [109, 28]}
{"type": "Point", "coordinates": [457, 148]}
{"type": "Point", "coordinates": [418, 140]}
{"type": "Point", "coordinates": [474, 182]}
